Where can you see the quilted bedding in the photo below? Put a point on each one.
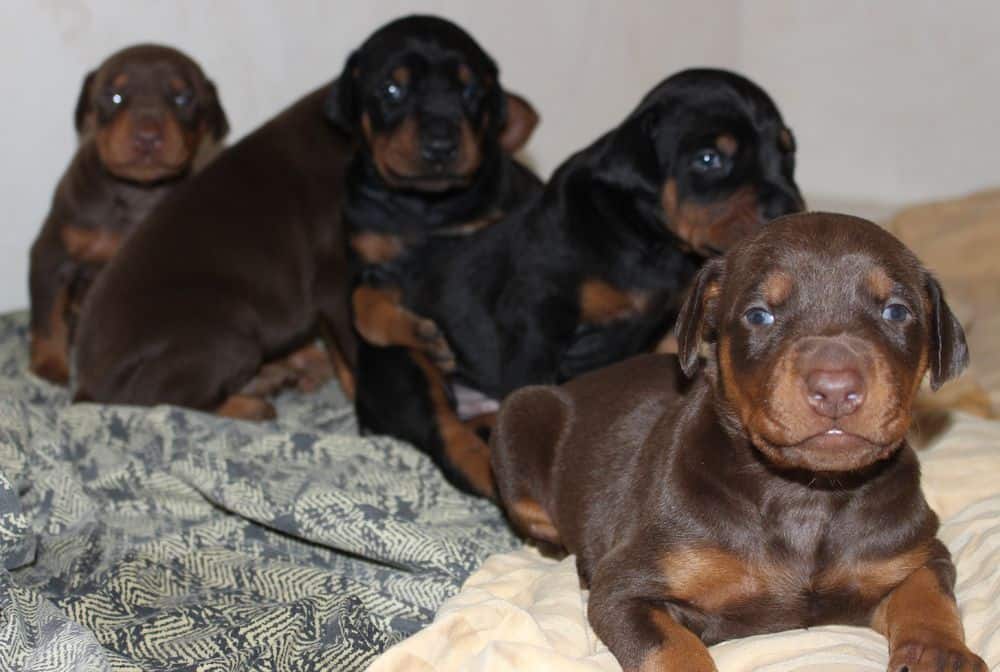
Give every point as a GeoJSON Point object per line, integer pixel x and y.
{"type": "Point", "coordinates": [165, 539]}
{"type": "Point", "coordinates": [525, 612]}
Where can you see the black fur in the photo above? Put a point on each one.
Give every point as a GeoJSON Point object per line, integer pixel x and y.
{"type": "Point", "coordinates": [510, 306]}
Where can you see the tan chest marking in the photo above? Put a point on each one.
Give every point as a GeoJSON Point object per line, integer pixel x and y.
{"type": "Point", "coordinates": [602, 303]}
{"type": "Point", "coordinates": [715, 580]}
{"type": "Point", "coordinates": [90, 245]}
{"type": "Point", "coordinates": [376, 248]}
{"type": "Point", "coordinates": [872, 579]}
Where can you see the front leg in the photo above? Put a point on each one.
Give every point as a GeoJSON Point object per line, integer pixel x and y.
{"type": "Point", "coordinates": [49, 280]}
{"type": "Point", "coordinates": [383, 321]}
{"type": "Point", "coordinates": [626, 610]}
{"type": "Point", "coordinates": [921, 621]}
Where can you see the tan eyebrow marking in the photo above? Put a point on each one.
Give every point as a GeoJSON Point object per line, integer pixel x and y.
{"type": "Point", "coordinates": [879, 283]}
{"type": "Point", "coordinates": [727, 144]}
{"type": "Point", "coordinates": [786, 140]}
{"type": "Point", "coordinates": [777, 287]}
{"type": "Point", "coordinates": [401, 75]}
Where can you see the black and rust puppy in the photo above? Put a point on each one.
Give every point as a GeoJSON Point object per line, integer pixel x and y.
{"type": "Point", "coordinates": [433, 170]}
{"type": "Point", "coordinates": [240, 268]}
{"type": "Point", "coordinates": [142, 116]}
{"type": "Point", "coordinates": [776, 489]}
{"type": "Point", "coordinates": [592, 271]}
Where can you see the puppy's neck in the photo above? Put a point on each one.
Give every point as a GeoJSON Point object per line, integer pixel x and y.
{"type": "Point", "coordinates": [92, 194]}
{"type": "Point", "coordinates": [372, 203]}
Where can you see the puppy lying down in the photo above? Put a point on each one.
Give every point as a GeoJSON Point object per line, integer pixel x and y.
{"type": "Point", "coordinates": [774, 489]}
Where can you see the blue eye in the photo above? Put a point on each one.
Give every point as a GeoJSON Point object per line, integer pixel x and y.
{"type": "Point", "coordinates": [117, 98]}
{"type": "Point", "coordinates": [393, 92]}
{"type": "Point", "coordinates": [707, 160]}
{"type": "Point", "coordinates": [895, 312]}
{"type": "Point", "coordinates": [471, 92]}
{"type": "Point", "coordinates": [758, 317]}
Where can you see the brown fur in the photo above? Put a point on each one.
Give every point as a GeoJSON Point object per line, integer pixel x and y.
{"type": "Point", "coordinates": [720, 507]}
{"type": "Point", "coordinates": [132, 154]}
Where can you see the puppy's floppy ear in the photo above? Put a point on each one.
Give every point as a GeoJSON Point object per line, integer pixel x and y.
{"type": "Point", "coordinates": [214, 115]}
{"type": "Point", "coordinates": [83, 102]}
{"type": "Point", "coordinates": [697, 310]}
{"type": "Point", "coordinates": [629, 159]}
{"type": "Point", "coordinates": [949, 354]}
{"type": "Point", "coordinates": [342, 106]}
{"type": "Point", "coordinates": [519, 122]}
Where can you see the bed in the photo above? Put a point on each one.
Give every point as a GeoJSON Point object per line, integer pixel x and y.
{"type": "Point", "coordinates": [165, 539]}
{"type": "Point", "coordinates": [521, 611]}
{"type": "Point", "coordinates": [169, 540]}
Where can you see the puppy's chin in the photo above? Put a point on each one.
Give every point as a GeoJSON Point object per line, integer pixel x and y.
{"type": "Point", "coordinates": [426, 182]}
{"type": "Point", "coordinates": [830, 452]}
{"type": "Point", "coordinates": [147, 172]}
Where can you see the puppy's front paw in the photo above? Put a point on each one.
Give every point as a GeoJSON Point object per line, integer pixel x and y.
{"type": "Point", "coordinates": [434, 344]}
{"type": "Point", "coordinates": [934, 654]}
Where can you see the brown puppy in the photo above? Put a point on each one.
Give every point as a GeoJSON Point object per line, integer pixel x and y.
{"type": "Point", "coordinates": [142, 117]}
{"type": "Point", "coordinates": [776, 489]}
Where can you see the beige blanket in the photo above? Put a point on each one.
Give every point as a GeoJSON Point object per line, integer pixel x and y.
{"type": "Point", "coordinates": [524, 612]}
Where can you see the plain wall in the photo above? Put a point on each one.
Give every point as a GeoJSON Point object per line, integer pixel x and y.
{"type": "Point", "coordinates": [582, 63]}
{"type": "Point", "coordinates": [891, 102]}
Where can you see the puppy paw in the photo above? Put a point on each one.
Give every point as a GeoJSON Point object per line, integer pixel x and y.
{"type": "Point", "coordinates": [433, 342]}
{"type": "Point", "coordinates": [932, 655]}
{"type": "Point", "coordinates": [270, 379]}
{"type": "Point", "coordinates": [243, 407]}
{"type": "Point", "coordinates": [313, 367]}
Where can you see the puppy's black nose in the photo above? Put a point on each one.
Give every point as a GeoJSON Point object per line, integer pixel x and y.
{"type": "Point", "coordinates": [439, 143]}
{"type": "Point", "coordinates": [835, 394]}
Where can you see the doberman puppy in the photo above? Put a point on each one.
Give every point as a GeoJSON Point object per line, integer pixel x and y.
{"type": "Point", "coordinates": [142, 117]}
{"type": "Point", "coordinates": [241, 266]}
{"type": "Point", "coordinates": [433, 170]}
{"type": "Point", "coordinates": [773, 490]}
{"type": "Point", "coordinates": [594, 269]}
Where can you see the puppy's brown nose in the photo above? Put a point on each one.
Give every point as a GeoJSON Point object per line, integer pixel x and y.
{"type": "Point", "coordinates": [835, 394]}
{"type": "Point", "coordinates": [148, 136]}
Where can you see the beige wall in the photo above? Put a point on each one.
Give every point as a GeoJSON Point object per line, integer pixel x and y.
{"type": "Point", "coordinates": [893, 101]}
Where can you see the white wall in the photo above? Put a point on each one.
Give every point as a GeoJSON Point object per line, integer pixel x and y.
{"type": "Point", "coordinates": [891, 101]}
{"type": "Point", "coordinates": [583, 63]}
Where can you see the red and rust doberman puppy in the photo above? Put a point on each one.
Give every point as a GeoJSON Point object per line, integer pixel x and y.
{"type": "Point", "coordinates": [248, 262]}
{"type": "Point", "coordinates": [142, 116]}
{"type": "Point", "coordinates": [773, 490]}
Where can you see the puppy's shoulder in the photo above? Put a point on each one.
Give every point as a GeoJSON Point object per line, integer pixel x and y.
{"type": "Point", "coordinates": [649, 376]}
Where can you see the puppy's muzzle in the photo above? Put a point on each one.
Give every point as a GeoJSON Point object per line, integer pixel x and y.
{"type": "Point", "coordinates": [833, 382]}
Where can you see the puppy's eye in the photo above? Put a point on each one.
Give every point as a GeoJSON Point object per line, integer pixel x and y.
{"type": "Point", "coordinates": [758, 317]}
{"type": "Point", "coordinates": [708, 161]}
{"type": "Point", "coordinates": [471, 92]}
{"type": "Point", "coordinates": [116, 98]}
{"type": "Point", "coordinates": [896, 312]}
{"type": "Point", "coordinates": [393, 92]}
{"type": "Point", "coordinates": [183, 99]}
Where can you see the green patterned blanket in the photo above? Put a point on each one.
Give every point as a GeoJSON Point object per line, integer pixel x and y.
{"type": "Point", "coordinates": [165, 539]}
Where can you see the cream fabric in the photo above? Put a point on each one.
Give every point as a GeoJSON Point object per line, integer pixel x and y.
{"type": "Point", "coordinates": [521, 611]}
{"type": "Point", "coordinates": [960, 241]}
